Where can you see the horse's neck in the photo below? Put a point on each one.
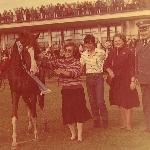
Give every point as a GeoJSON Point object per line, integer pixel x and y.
{"type": "Point", "coordinates": [16, 57]}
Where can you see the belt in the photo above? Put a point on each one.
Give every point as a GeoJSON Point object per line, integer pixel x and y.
{"type": "Point", "coordinates": [94, 74]}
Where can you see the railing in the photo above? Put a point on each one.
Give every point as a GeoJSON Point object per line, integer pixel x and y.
{"type": "Point", "coordinates": [22, 15]}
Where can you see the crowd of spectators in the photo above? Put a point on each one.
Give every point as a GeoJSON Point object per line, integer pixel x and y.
{"type": "Point", "coordinates": [5, 53]}
{"type": "Point", "coordinates": [58, 10]}
{"type": "Point", "coordinates": [57, 50]}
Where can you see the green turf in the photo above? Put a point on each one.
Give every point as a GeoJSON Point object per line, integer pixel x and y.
{"type": "Point", "coordinates": [58, 137]}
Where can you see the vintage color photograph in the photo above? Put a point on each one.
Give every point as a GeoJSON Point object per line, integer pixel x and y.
{"type": "Point", "coordinates": [75, 75]}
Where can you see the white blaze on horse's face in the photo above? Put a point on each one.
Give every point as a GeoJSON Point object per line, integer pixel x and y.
{"type": "Point", "coordinates": [34, 67]}
{"type": "Point", "coordinates": [20, 46]}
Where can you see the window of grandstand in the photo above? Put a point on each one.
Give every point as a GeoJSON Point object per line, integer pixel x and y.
{"type": "Point", "coordinates": [112, 31]}
{"type": "Point", "coordinates": [119, 29]}
{"type": "Point", "coordinates": [96, 33]}
{"type": "Point", "coordinates": [78, 35]}
{"type": "Point", "coordinates": [103, 34]}
{"type": "Point", "coordinates": [86, 31]}
{"type": "Point", "coordinates": [56, 37]}
{"type": "Point", "coordinates": [94, 30]}
{"type": "Point", "coordinates": [42, 39]}
{"type": "Point", "coordinates": [68, 34]}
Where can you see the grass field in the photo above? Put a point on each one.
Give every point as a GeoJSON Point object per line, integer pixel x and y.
{"type": "Point", "coordinates": [58, 137]}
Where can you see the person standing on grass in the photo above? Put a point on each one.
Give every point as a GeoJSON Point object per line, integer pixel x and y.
{"type": "Point", "coordinates": [121, 71]}
{"type": "Point", "coordinates": [74, 110]}
{"type": "Point", "coordinates": [143, 67]}
{"type": "Point", "coordinates": [93, 59]}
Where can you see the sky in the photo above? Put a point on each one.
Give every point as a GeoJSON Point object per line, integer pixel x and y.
{"type": "Point", "coordinates": [10, 4]}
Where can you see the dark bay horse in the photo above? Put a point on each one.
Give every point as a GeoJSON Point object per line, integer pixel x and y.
{"type": "Point", "coordinates": [23, 59]}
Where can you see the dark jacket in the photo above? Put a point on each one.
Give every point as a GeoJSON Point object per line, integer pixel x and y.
{"type": "Point", "coordinates": [143, 63]}
{"type": "Point", "coordinates": [121, 61]}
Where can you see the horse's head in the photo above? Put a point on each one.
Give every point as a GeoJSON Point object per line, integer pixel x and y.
{"type": "Point", "coordinates": [27, 48]}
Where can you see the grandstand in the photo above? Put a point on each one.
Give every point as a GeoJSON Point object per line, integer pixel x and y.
{"type": "Point", "coordinates": [57, 29]}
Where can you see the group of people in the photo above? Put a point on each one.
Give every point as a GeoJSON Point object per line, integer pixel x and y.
{"type": "Point", "coordinates": [124, 68]}
{"type": "Point", "coordinates": [52, 11]}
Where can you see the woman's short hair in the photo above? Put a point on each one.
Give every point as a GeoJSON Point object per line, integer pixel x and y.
{"type": "Point", "coordinates": [71, 43]}
{"type": "Point", "coordinates": [121, 36]}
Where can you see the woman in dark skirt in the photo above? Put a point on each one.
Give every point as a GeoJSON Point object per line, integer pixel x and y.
{"type": "Point", "coordinates": [74, 110]}
{"type": "Point", "coordinates": [120, 67]}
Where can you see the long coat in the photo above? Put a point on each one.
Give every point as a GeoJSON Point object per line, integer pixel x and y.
{"type": "Point", "coordinates": [121, 61]}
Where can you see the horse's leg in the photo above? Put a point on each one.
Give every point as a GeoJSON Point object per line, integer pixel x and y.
{"type": "Point", "coordinates": [44, 118]}
{"type": "Point", "coordinates": [34, 120]}
{"type": "Point", "coordinates": [15, 100]}
{"type": "Point", "coordinates": [30, 124]}
{"type": "Point", "coordinates": [33, 100]}
{"type": "Point", "coordinates": [29, 107]}
{"type": "Point", "coordinates": [45, 122]}
{"type": "Point", "coordinates": [41, 100]}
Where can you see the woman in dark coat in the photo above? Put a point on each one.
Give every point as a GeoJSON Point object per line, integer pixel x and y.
{"type": "Point", "coordinates": [120, 68]}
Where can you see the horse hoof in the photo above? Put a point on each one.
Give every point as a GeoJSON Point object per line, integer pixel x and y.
{"type": "Point", "coordinates": [14, 146]}
{"type": "Point", "coordinates": [36, 137]}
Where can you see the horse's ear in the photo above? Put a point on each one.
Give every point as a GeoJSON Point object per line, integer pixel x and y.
{"type": "Point", "coordinates": [36, 35]}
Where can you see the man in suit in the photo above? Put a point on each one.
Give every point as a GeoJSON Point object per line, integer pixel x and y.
{"type": "Point", "coordinates": [143, 67]}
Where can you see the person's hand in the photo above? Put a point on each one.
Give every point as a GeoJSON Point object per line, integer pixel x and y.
{"type": "Point", "coordinates": [34, 70]}
{"type": "Point", "coordinates": [63, 71]}
{"type": "Point", "coordinates": [4, 58]}
{"type": "Point", "coordinates": [111, 74]}
{"type": "Point", "coordinates": [132, 85]}
{"type": "Point", "coordinates": [58, 71]}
